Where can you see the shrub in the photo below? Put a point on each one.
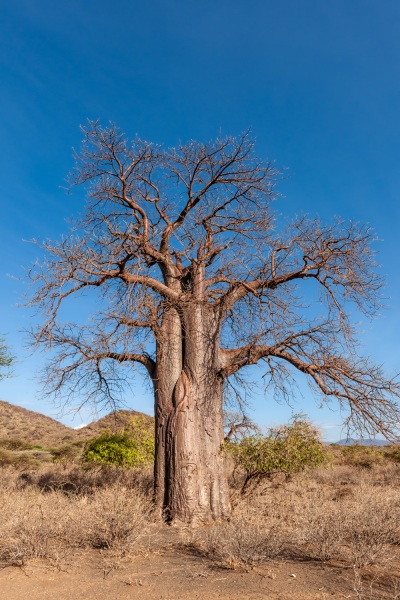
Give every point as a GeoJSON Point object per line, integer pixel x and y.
{"type": "Point", "coordinates": [35, 525]}
{"type": "Point", "coordinates": [15, 444]}
{"type": "Point", "coordinates": [392, 453]}
{"type": "Point", "coordinates": [131, 448]}
{"type": "Point", "coordinates": [68, 453]}
{"type": "Point", "coordinates": [18, 460]}
{"type": "Point", "coordinates": [286, 449]}
{"type": "Point", "coordinates": [73, 480]}
{"type": "Point", "coordinates": [358, 528]}
{"type": "Point", "coordinates": [115, 516]}
{"type": "Point", "coordinates": [358, 455]}
{"type": "Point", "coordinates": [241, 543]}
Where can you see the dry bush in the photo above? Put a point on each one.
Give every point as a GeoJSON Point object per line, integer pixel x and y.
{"type": "Point", "coordinates": [370, 588]}
{"type": "Point", "coordinates": [15, 444]}
{"type": "Point", "coordinates": [392, 453]}
{"type": "Point", "coordinates": [360, 456]}
{"type": "Point", "coordinates": [337, 475]}
{"type": "Point", "coordinates": [114, 517]}
{"type": "Point", "coordinates": [77, 480]}
{"type": "Point", "coordinates": [342, 518]}
{"type": "Point", "coordinates": [387, 474]}
{"type": "Point", "coordinates": [68, 453]}
{"type": "Point", "coordinates": [32, 526]}
{"type": "Point", "coordinates": [244, 542]}
{"type": "Point", "coordinates": [357, 527]}
{"type": "Point", "coordinates": [35, 524]}
{"type": "Point", "coordinates": [18, 460]}
{"type": "Point", "coordinates": [9, 479]}
{"type": "Point", "coordinates": [344, 512]}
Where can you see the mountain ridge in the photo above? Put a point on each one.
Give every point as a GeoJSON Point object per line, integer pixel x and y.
{"type": "Point", "coordinates": [362, 442]}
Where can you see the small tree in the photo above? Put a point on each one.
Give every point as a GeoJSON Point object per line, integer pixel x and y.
{"type": "Point", "coordinates": [287, 449]}
{"type": "Point", "coordinates": [193, 281]}
{"type": "Point", "coordinates": [6, 360]}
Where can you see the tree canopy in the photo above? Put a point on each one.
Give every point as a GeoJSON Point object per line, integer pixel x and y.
{"type": "Point", "coordinates": [196, 279]}
{"type": "Point", "coordinates": [153, 217]}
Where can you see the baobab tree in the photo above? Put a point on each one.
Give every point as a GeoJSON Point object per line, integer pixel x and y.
{"type": "Point", "coordinates": [193, 280]}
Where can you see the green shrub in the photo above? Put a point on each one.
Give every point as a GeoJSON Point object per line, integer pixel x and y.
{"type": "Point", "coordinates": [131, 448]}
{"type": "Point", "coordinates": [286, 449]}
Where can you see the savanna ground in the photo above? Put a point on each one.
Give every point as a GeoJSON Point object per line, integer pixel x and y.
{"type": "Point", "coordinates": [71, 532]}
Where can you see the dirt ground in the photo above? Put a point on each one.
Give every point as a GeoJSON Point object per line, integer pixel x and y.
{"type": "Point", "coordinates": [172, 577]}
{"type": "Point", "coordinates": [172, 573]}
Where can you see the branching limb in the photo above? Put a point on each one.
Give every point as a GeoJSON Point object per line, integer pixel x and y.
{"type": "Point", "coordinates": [359, 385]}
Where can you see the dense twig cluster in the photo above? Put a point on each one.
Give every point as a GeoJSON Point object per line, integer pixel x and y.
{"type": "Point", "coordinates": [170, 229]}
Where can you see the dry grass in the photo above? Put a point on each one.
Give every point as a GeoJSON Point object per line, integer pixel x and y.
{"type": "Point", "coordinates": [73, 479]}
{"type": "Point", "coordinates": [345, 512]}
{"type": "Point", "coordinates": [32, 427]}
{"type": "Point", "coordinates": [38, 524]}
{"type": "Point", "coordinates": [244, 542]}
{"type": "Point", "coordinates": [357, 527]}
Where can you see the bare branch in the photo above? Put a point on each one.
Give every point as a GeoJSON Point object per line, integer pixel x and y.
{"type": "Point", "coordinates": [189, 275]}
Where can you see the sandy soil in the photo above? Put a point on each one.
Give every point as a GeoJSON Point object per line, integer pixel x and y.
{"type": "Point", "coordinates": [173, 577]}
{"type": "Point", "coordinates": [173, 574]}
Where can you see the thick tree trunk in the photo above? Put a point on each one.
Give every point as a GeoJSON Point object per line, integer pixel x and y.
{"type": "Point", "coordinates": [168, 370]}
{"type": "Point", "coordinates": [190, 480]}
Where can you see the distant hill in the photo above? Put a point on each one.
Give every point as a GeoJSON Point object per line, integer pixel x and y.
{"type": "Point", "coordinates": [29, 426]}
{"type": "Point", "coordinates": [32, 427]}
{"type": "Point", "coordinates": [362, 442]}
{"type": "Point", "coordinates": [115, 421]}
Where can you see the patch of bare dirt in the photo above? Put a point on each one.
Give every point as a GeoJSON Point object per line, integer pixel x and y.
{"type": "Point", "coordinates": [172, 575]}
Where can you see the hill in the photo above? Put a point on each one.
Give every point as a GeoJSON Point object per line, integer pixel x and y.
{"type": "Point", "coordinates": [362, 442]}
{"type": "Point", "coordinates": [34, 428]}
{"type": "Point", "coordinates": [115, 421]}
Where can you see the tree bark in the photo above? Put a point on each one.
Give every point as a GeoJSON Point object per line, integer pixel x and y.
{"type": "Point", "coordinates": [190, 481]}
{"type": "Point", "coordinates": [168, 370]}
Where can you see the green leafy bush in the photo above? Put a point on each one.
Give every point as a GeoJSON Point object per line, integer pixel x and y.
{"type": "Point", "coordinates": [286, 449]}
{"type": "Point", "coordinates": [6, 360]}
{"type": "Point", "coordinates": [131, 448]}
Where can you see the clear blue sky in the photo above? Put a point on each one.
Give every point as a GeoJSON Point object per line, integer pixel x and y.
{"type": "Point", "coordinates": [318, 82]}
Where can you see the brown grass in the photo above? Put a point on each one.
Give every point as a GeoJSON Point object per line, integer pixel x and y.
{"type": "Point", "coordinates": [39, 524]}
{"type": "Point", "coordinates": [346, 513]}
{"type": "Point", "coordinates": [32, 427]}
{"type": "Point", "coordinates": [242, 543]}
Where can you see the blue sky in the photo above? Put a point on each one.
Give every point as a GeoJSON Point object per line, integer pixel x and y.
{"type": "Point", "coordinates": [317, 81]}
